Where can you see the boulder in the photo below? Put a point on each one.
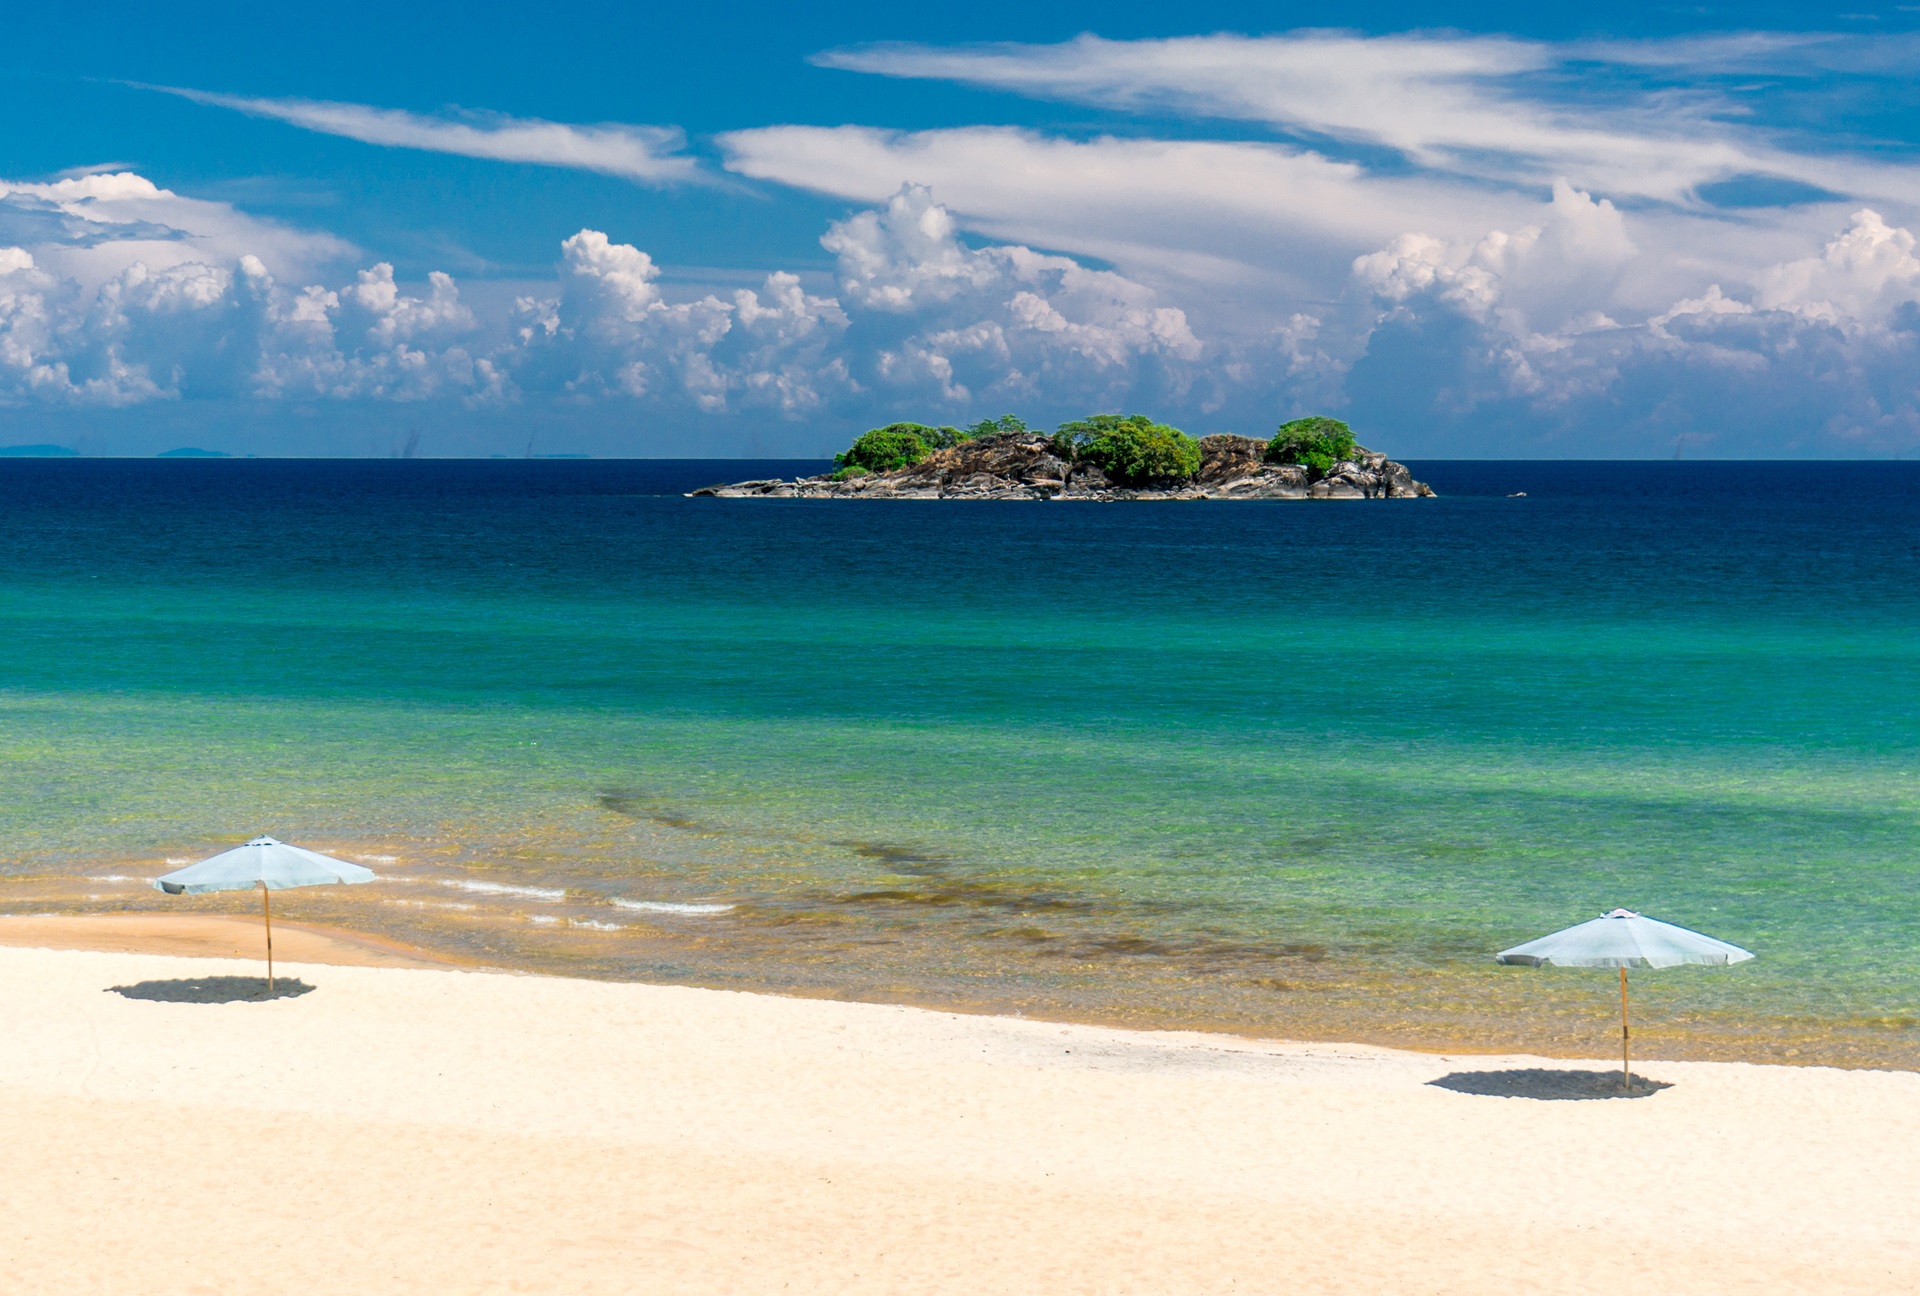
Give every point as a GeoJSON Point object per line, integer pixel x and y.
{"type": "Point", "coordinates": [1225, 457]}
{"type": "Point", "coordinates": [1087, 478]}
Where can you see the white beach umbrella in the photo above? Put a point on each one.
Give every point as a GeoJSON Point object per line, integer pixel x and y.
{"type": "Point", "coordinates": [1624, 939]}
{"type": "Point", "coordinates": [268, 864]}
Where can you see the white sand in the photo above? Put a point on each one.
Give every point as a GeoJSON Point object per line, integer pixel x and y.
{"type": "Point", "coordinates": [426, 1131]}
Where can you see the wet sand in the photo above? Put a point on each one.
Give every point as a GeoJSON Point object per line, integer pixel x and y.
{"type": "Point", "coordinates": [210, 936]}
{"type": "Point", "coordinates": [409, 1129]}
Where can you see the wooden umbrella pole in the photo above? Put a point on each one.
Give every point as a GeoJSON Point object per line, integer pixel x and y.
{"type": "Point", "coordinates": [1626, 1071]}
{"type": "Point", "coordinates": [266, 913]}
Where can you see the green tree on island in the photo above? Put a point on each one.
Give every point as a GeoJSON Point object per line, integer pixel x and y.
{"type": "Point", "coordinates": [1132, 450]}
{"type": "Point", "coordinates": [902, 445]}
{"type": "Point", "coordinates": [897, 445]}
{"type": "Point", "coordinates": [1005, 425]}
{"type": "Point", "coordinates": [1316, 443]}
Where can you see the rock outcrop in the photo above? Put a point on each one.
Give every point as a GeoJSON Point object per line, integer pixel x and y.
{"type": "Point", "coordinates": [1023, 466]}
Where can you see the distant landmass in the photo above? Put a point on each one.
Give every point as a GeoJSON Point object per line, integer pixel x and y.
{"type": "Point", "coordinates": [38, 452]}
{"type": "Point", "coordinates": [193, 452]}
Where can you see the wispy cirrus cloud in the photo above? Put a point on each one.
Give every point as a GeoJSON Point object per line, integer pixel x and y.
{"type": "Point", "coordinates": [651, 155]}
{"type": "Point", "coordinates": [1651, 121]}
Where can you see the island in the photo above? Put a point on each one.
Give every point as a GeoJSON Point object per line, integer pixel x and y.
{"type": "Point", "coordinates": [1104, 457]}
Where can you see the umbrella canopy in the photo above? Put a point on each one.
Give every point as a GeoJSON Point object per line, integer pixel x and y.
{"type": "Point", "coordinates": [263, 862]}
{"type": "Point", "coordinates": [1624, 939]}
{"type": "Point", "coordinates": [267, 864]}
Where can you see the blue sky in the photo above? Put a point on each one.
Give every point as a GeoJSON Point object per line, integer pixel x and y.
{"type": "Point", "coordinates": [1470, 229]}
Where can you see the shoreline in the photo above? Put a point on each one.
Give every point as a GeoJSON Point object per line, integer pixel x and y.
{"type": "Point", "coordinates": [546, 1134]}
{"type": "Point", "coordinates": [225, 936]}
{"type": "Point", "coordinates": [229, 936]}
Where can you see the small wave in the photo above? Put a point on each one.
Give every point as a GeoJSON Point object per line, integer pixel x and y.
{"type": "Point", "coordinates": [545, 920]}
{"type": "Point", "coordinates": [501, 888]}
{"type": "Point", "coordinates": [669, 906]}
{"type": "Point", "coordinates": [171, 860]}
{"type": "Point", "coordinates": [116, 877]}
{"type": "Point", "coordinates": [378, 859]}
{"type": "Point", "coordinates": [597, 926]}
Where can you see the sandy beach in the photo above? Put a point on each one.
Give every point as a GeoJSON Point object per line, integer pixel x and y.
{"type": "Point", "coordinates": [208, 936]}
{"type": "Point", "coordinates": [410, 1129]}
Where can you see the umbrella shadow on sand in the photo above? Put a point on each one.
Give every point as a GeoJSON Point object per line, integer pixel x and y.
{"type": "Point", "coordinates": [1548, 1085]}
{"type": "Point", "coordinates": [213, 989]}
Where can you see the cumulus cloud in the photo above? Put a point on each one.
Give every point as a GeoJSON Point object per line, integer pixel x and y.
{"type": "Point", "coordinates": [93, 227]}
{"type": "Point", "coordinates": [923, 323]}
{"type": "Point", "coordinates": [644, 154]}
{"type": "Point", "coordinates": [1006, 321]}
{"type": "Point", "coordinates": [1818, 355]}
{"type": "Point", "coordinates": [198, 330]}
{"type": "Point", "coordinates": [609, 332]}
{"type": "Point", "coordinates": [1542, 334]}
{"type": "Point", "coordinates": [1862, 275]}
{"type": "Point", "coordinates": [1536, 278]}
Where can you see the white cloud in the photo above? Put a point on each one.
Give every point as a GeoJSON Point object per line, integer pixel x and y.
{"type": "Point", "coordinates": [197, 330]}
{"type": "Point", "coordinates": [28, 358]}
{"type": "Point", "coordinates": [1439, 135]}
{"type": "Point", "coordinates": [644, 154]}
{"type": "Point", "coordinates": [1568, 329]}
{"type": "Point", "coordinates": [924, 324]}
{"type": "Point", "coordinates": [1862, 274]}
{"type": "Point", "coordinates": [1818, 356]}
{"type": "Point", "coordinates": [1002, 323]}
{"type": "Point", "coordinates": [1227, 226]}
{"type": "Point", "coordinates": [1488, 108]}
{"type": "Point", "coordinates": [1537, 277]}
{"type": "Point", "coordinates": [94, 227]}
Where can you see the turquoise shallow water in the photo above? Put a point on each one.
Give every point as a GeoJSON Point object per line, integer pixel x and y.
{"type": "Point", "coordinates": [1292, 768]}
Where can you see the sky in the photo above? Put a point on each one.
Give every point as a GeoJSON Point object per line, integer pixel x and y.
{"type": "Point", "coordinates": [1471, 230]}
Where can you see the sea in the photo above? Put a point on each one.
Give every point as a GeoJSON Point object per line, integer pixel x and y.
{"type": "Point", "coordinates": [1285, 769]}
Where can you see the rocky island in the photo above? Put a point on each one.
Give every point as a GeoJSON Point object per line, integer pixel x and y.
{"type": "Point", "coordinates": [1106, 457]}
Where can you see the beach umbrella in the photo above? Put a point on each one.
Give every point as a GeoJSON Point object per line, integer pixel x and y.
{"type": "Point", "coordinates": [265, 863]}
{"type": "Point", "coordinates": [1623, 939]}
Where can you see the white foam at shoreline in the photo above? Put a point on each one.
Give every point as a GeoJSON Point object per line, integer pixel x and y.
{"type": "Point", "coordinates": [668, 906]}
{"type": "Point", "coordinates": [502, 888]}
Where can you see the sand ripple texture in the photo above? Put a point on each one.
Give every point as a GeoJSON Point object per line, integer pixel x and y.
{"type": "Point", "coordinates": [403, 1130]}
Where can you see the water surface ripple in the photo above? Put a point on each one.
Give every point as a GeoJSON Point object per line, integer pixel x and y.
{"type": "Point", "coordinates": [1292, 768]}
